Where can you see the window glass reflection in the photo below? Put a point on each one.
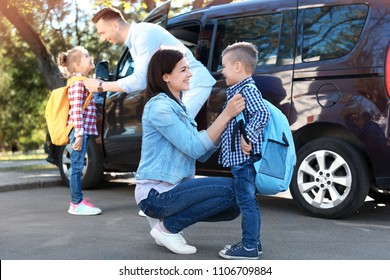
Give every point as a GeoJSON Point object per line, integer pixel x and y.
{"type": "Point", "coordinates": [263, 31]}
{"type": "Point", "coordinates": [331, 32]}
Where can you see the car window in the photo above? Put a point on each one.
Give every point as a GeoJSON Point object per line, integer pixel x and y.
{"type": "Point", "coordinates": [197, 40]}
{"type": "Point", "coordinates": [262, 30]}
{"type": "Point", "coordinates": [126, 66]}
{"type": "Point", "coordinates": [188, 34]}
{"type": "Point", "coordinates": [331, 32]}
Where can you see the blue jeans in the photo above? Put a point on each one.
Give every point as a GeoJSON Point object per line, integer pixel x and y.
{"type": "Point", "coordinates": [244, 186]}
{"type": "Point", "coordinates": [199, 199]}
{"type": "Point", "coordinates": [76, 168]}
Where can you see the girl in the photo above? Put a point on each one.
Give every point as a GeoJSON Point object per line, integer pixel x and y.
{"type": "Point", "coordinates": [77, 64]}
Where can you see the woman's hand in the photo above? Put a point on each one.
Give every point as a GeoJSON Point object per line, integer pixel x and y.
{"type": "Point", "coordinates": [235, 105]}
{"type": "Point", "coordinates": [245, 147]}
{"type": "Point", "coordinates": [78, 143]}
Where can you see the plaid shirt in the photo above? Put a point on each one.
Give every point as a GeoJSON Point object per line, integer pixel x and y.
{"type": "Point", "coordinates": [256, 116]}
{"type": "Point", "coordinates": [84, 122]}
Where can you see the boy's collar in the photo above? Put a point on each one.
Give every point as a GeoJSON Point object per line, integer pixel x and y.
{"type": "Point", "coordinates": [240, 84]}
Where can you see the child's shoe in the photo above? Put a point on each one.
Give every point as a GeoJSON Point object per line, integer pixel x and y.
{"type": "Point", "coordinates": [259, 248]}
{"type": "Point", "coordinates": [85, 208]}
{"type": "Point", "coordinates": [239, 252]}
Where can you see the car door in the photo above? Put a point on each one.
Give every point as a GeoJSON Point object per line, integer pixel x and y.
{"type": "Point", "coordinates": [329, 64]}
{"type": "Point", "coordinates": [271, 29]}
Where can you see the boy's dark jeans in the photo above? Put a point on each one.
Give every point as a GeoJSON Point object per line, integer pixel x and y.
{"type": "Point", "coordinates": [244, 186]}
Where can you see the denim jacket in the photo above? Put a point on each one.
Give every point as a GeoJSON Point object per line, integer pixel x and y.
{"type": "Point", "coordinates": [171, 142]}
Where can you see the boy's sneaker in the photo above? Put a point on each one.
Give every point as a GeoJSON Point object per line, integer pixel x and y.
{"type": "Point", "coordinates": [239, 252]}
{"type": "Point", "coordinates": [259, 248]}
{"type": "Point", "coordinates": [85, 208]}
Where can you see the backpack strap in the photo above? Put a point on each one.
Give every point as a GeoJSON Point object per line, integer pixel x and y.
{"type": "Point", "coordinates": [86, 102]}
{"type": "Point", "coordinates": [240, 123]}
{"type": "Point", "coordinates": [73, 79]}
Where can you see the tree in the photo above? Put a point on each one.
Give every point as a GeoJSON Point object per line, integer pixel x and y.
{"type": "Point", "coordinates": [23, 90]}
{"type": "Point", "coordinates": [48, 69]}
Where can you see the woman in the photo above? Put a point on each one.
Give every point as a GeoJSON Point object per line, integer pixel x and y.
{"type": "Point", "coordinates": [165, 185]}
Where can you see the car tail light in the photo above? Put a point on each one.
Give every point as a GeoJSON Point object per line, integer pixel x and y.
{"type": "Point", "coordinates": [387, 71]}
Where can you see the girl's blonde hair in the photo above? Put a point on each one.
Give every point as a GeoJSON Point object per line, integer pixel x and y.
{"type": "Point", "coordinates": [67, 60]}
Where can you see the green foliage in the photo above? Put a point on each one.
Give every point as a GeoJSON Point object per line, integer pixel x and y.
{"type": "Point", "coordinates": [22, 94]}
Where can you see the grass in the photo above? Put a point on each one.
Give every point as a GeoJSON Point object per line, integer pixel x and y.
{"type": "Point", "coordinates": [38, 154]}
{"type": "Point", "coordinates": [29, 168]}
{"type": "Point", "coordinates": [20, 156]}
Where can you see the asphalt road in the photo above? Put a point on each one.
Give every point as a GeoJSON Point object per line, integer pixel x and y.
{"type": "Point", "coordinates": [35, 225]}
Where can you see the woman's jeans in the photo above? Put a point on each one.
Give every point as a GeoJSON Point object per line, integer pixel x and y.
{"type": "Point", "coordinates": [245, 188]}
{"type": "Point", "coordinates": [198, 199]}
{"type": "Point", "coordinates": [76, 168]}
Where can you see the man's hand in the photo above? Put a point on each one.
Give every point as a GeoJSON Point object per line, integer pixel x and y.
{"type": "Point", "coordinates": [91, 84]}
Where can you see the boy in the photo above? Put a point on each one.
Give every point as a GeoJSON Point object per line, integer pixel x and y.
{"type": "Point", "coordinates": [239, 62]}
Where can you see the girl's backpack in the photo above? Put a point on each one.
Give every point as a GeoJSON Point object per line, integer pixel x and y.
{"type": "Point", "coordinates": [57, 112]}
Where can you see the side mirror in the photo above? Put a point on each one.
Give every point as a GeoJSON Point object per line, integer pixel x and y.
{"type": "Point", "coordinates": [101, 70]}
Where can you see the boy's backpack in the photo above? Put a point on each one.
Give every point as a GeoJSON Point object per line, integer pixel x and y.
{"type": "Point", "coordinates": [275, 168]}
{"type": "Point", "coordinates": [57, 112]}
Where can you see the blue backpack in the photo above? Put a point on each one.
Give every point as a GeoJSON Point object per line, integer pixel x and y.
{"type": "Point", "coordinates": [275, 168]}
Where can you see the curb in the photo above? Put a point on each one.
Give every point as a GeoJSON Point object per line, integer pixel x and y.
{"type": "Point", "coordinates": [31, 185]}
{"type": "Point", "coordinates": [20, 179]}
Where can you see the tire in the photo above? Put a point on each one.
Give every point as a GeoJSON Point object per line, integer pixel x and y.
{"type": "Point", "coordinates": [92, 173]}
{"type": "Point", "coordinates": [379, 195]}
{"type": "Point", "coordinates": [336, 189]}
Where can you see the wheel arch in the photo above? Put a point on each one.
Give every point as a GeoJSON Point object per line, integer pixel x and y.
{"type": "Point", "coordinates": [314, 131]}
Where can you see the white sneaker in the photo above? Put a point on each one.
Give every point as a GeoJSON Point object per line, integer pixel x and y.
{"type": "Point", "coordinates": [173, 241]}
{"type": "Point", "coordinates": [141, 213]}
{"type": "Point", "coordinates": [84, 208]}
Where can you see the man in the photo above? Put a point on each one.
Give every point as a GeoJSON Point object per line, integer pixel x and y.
{"type": "Point", "coordinates": [143, 40]}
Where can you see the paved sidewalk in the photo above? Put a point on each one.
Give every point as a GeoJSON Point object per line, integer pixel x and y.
{"type": "Point", "coordinates": [15, 175]}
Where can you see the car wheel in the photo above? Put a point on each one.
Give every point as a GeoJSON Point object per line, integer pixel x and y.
{"type": "Point", "coordinates": [331, 178]}
{"type": "Point", "coordinates": [379, 195]}
{"type": "Point", "coordinates": [92, 173]}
